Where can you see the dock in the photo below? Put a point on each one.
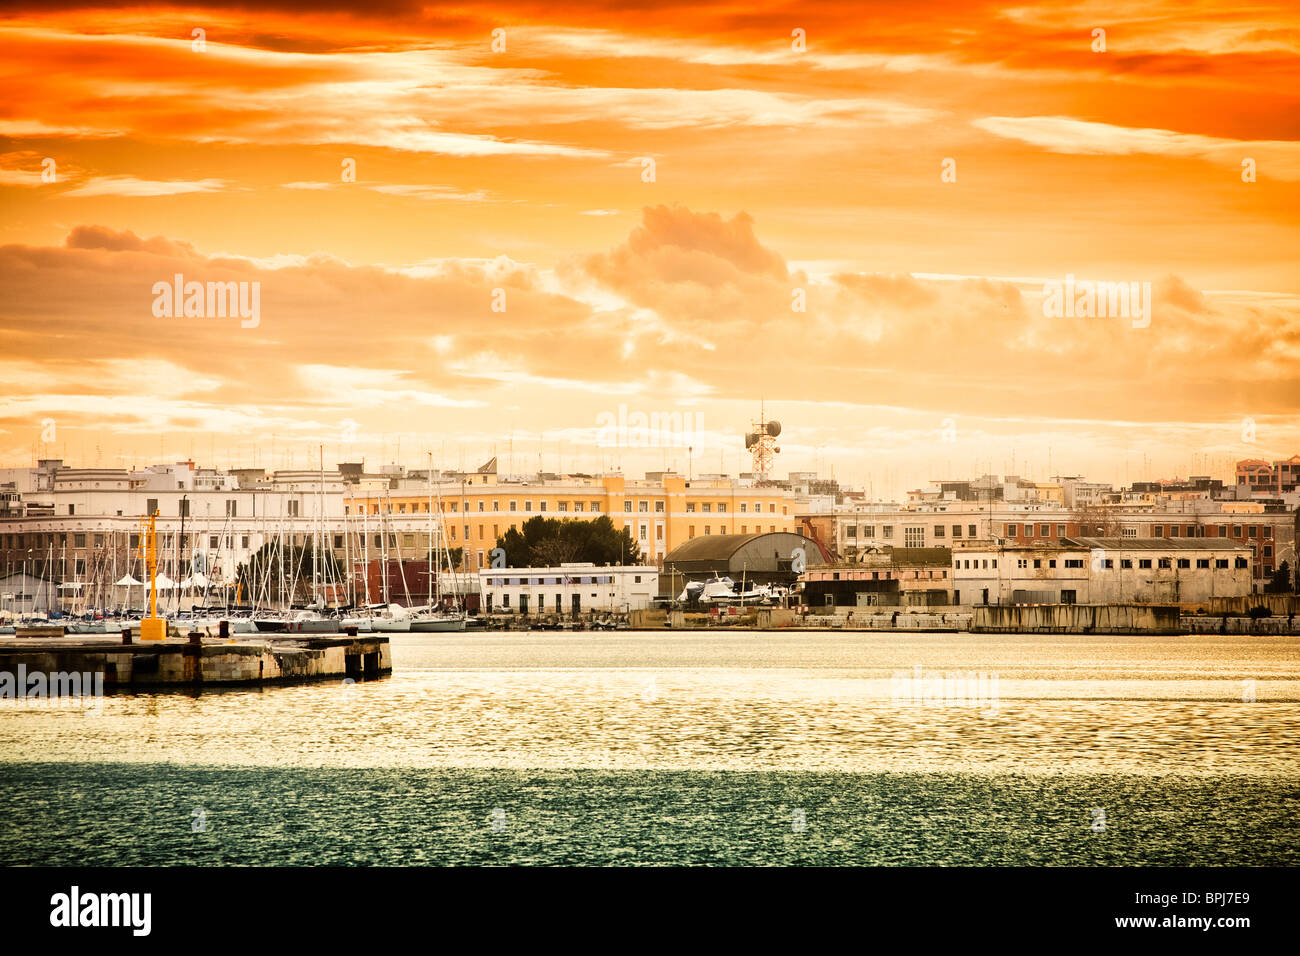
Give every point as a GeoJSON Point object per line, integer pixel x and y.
{"type": "Point", "coordinates": [199, 661]}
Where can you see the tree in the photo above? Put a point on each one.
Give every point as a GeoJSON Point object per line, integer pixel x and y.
{"type": "Point", "coordinates": [548, 542]}
{"type": "Point", "coordinates": [1096, 521]}
{"type": "Point", "coordinates": [1281, 580]}
{"type": "Point", "coordinates": [274, 567]}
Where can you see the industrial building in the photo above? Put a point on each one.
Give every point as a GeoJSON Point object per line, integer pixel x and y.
{"type": "Point", "coordinates": [1102, 571]}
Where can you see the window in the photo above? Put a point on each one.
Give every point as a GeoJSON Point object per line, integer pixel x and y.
{"type": "Point", "coordinates": [889, 531]}
{"type": "Point", "coordinates": [706, 507]}
{"type": "Point", "coordinates": [868, 531]}
{"type": "Point", "coordinates": [214, 542]}
{"type": "Point", "coordinates": [1223, 531]}
{"type": "Point", "coordinates": [1125, 564]}
{"type": "Point", "coordinates": [1166, 563]}
{"type": "Point", "coordinates": [938, 531]}
{"type": "Point", "coordinates": [913, 536]}
{"type": "Point", "coordinates": [659, 532]}
{"type": "Point", "coordinates": [690, 532]}
{"type": "Point", "coordinates": [851, 531]}
{"type": "Point", "coordinates": [514, 506]}
{"type": "Point", "coordinates": [1060, 531]}
{"type": "Point", "coordinates": [1011, 531]}
{"type": "Point", "coordinates": [690, 507]}
{"type": "Point", "coordinates": [480, 505]}
{"type": "Point", "coordinates": [243, 542]}
{"type": "Point", "coordinates": [772, 507]}
{"type": "Point", "coordinates": [528, 506]}
{"type": "Point", "coordinates": [1051, 563]}
{"type": "Point", "coordinates": [183, 507]}
{"type": "Point", "coordinates": [1038, 562]}
{"type": "Point", "coordinates": [150, 506]}
{"type": "Point", "coordinates": [1236, 531]}
{"type": "Point", "coordinates": [722, 506]}
{"type": "Point", "coordinates": [1221, 562]}
{"type": "Point", "coordinates": [1074, 562]}
{"type": "Point", "coordinates": [742, 507]}
{"type": "Point", "coordinates": [744, 529]}
{"type": "Point", "coordinates": [1240, 563]}
{"type": "Point", "coordinates": [1022, 563]}
{"type": "Point", "coordinates": [1202, 562]}
{"type": "Point", "coordinates": [1253, 531]}
{"type": "Point", "coordinates": [627, 506]}
{"type": "Point", "coordinates": [956, 531]}
{"type": "Point", "coordinates": [232, 509]}
{"type": "Point", "coordinates": [541, 506]}
{"type": "Point", "coordinates": [1173, 531]}
{"type": "Point", "coordinates": [595, 506]}
{"type": "Point", "coordinates": [707, 529]}
{"type": "Point", "coordinates": [577, 506]}
{"type": "Point", "coordinates": [1184, 562]}
{"type": "Point", "coordinates": [1044, 530]}
{"type": "Point", "coordinates": [408, 540]}
{"type": "Point", "coordinates": [970, 531]}
{"type": "Point", "coordinates": [1157, 532]}
{"type": "Point", "coordinates": [562, 506]}
{"type": "Point", "coordinates": [78, 540]}
{"type": "Point", "coordinates": [758, 507]}
{"type": "Point", "coordinates": [659, 507]}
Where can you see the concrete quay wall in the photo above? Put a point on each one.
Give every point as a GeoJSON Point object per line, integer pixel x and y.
{"type": "Point", "coordinates": [185, 664]}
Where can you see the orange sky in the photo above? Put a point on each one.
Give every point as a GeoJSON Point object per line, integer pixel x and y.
{"type": "Point", "coordinates": [923, 352]}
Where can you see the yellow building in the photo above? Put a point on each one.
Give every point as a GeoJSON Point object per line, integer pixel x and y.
{"type": "Point", "coordinates": [660, 512]}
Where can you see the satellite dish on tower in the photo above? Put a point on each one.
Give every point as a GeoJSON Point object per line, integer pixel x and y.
{"type": "Point", "coordinates": [751, 440]}
{"type": "Point", "coordinates": [774, 428]}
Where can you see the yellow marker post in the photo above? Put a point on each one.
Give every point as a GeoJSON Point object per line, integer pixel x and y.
{"type": "Point", "coordinates": [153, 627]}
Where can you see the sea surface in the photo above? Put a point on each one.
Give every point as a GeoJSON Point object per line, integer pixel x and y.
{"type": "Point", "coordinates": [688, 748]}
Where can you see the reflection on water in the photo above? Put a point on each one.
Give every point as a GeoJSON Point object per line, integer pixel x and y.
{"type": "Point", "coordinates": [688, 748]}
{"type": "Point", "coordinates": [778, 702]}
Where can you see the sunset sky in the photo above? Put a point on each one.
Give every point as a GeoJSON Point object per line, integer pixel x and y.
{"type": "Point", "coordinates": [923, 353]}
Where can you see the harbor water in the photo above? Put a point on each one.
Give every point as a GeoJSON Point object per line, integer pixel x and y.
{"type": "Point", "coordinates": [687, 748]}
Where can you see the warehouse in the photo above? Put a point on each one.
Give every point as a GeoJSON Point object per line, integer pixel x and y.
{"type": "Point", "coordinates": [1103, 571]}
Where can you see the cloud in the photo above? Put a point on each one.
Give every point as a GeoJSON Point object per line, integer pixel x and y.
{"type": "Point", "coordinates": [1062, 134]}
{"type": "Point", "coordinates": [131, 186]}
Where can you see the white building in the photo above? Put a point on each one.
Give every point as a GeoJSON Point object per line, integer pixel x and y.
{"type": "Point", "coordinates": [1102, 571]}
{"type": "Point", "coordinates": [569, 589]}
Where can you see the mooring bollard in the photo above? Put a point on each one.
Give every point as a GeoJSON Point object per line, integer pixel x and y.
{"type": "Point", "coordinates": [196, 637]}
{"type": "Point", "coordinates": [223, 629]}
{"type": "Point", "coordinates": [350, 631]}
{"type": "Point", "coordinates": [126, 635]}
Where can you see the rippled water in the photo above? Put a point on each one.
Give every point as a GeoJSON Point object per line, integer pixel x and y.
{"type": "Point", "coordinates": [671, 747]}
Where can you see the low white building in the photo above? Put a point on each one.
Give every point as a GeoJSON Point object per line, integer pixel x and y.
{"type": "Point", "coordinates": [1103, 571]}
{"type": "Point", "coordinates": [570, 589]}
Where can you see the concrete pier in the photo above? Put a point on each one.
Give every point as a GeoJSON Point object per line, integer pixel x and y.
{"type": "Point", "coordinates": [197, 661]}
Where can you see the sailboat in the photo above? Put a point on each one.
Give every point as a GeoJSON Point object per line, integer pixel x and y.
{"type": "Point", "coordinates": [437, 619]}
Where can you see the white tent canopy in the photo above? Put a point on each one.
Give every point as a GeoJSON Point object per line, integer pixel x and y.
{"type": "Point", "coordinates": [195, 580]}
{"type": "Point", "coordinates": [128, 582]}
{"type": "Point", "coordinates": [164, 583]}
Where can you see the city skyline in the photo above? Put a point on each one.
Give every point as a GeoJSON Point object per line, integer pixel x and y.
{"type": "Point", "coordinates": [475, 230]}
